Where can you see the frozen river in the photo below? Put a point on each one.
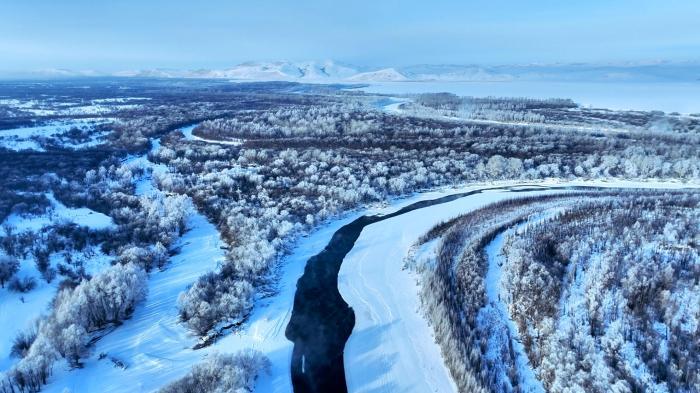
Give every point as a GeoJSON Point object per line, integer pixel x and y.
{"type": "Point", "coordinates": [667, 97]}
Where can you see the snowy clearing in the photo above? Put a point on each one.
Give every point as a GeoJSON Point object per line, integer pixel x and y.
{"type": "Point", "coordinates": [19, 310]}
{"type": "Point", "coordinates": [152, 344]}
{"type": "Point", "coordinates": [59, 213]}
{"type": "Point", "coordinates": [25, 138]}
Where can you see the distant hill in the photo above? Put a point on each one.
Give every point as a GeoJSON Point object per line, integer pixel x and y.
{"type": "Point", "coordinates": [330, 71]}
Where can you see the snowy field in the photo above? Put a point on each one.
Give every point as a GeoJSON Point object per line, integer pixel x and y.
{"type": "Point", "coordinates": [152, 345]}
{"type": "Point", "coordinates": [19, 310]}
{"type": "Point", "coordinates": [667, 97]}
{"type": "Point", "coordinates": [153, 348]}
{"type": "Point", "coordinates": [93, 107]}
{"type": "Point", "coordinates": [59, 213]}
{"type": "Point", "coordinates": [392, 347]}
{"type": "Point", "coordinates": [26, 138]}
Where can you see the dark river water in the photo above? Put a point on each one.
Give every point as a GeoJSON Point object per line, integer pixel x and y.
{"type": "Point", "coordinates": [321, 320]}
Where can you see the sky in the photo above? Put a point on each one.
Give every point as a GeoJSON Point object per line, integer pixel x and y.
{"type": "Point", "coordinates": [119, 35]}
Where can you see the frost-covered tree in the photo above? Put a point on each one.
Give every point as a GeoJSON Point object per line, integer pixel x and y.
{"type": "Point", "coordinates": [108, 298]}
{"type": "Point", "coordinates": [222, 373]}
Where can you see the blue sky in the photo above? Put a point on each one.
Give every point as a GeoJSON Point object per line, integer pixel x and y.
{"type": "Point", "coordinates": [129, 34]}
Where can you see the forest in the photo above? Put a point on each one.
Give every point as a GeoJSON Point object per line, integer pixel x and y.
{"type": "Point", "coordinates": [267, 163]}
{"type": "Point", "coordinates": [600, 285]}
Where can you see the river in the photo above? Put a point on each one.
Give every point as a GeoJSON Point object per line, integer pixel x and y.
{"type": "Point", "coordinates": [322, 321]}
{"type": "Point", "coordinates": [668, 97]}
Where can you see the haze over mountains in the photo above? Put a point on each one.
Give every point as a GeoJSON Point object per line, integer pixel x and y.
{"type": "Point", "coordinates": [330, 71]}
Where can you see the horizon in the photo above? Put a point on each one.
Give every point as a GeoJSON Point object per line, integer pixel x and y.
{"type": "Point", "coordinates": [365, 67]}
{"type": "Point", "coordinates": [542, 71]}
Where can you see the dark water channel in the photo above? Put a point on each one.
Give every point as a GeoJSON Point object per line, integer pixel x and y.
{"type": "Point", "coordinates": [321, 320]}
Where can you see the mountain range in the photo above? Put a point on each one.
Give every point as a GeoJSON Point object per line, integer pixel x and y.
{"type": "Point", "coordinates": [332, 72]}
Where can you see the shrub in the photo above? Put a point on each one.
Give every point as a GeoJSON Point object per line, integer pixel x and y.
{"type": "Point", "coordinates": [222, 373]}
{"type": "Point", "coordinates": [22, 285]}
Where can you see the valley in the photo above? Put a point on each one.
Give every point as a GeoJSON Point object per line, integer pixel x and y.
{"type": "Point", "coordinates": [155, 230]}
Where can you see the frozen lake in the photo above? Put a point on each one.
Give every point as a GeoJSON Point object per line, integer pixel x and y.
{"type": "Point", "coordinates": [667, 97]}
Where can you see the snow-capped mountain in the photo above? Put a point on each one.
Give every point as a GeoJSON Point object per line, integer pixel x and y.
{"type": "Point", "coordinates": [280, 70]}
{"type": "Point", "coordinates": [331, 72]}
{"type": "Point", "coordinates": [383, 75]}
{"type": "Point", "coordinates": [469, 73]}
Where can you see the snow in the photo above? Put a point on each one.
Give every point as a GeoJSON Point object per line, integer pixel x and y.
{"type": "Point", "coordinates": [393, 105]}
{"type": "Point", "coordinates": [45, 130]}
{"type": "Point", "coordinates": [384, 75]}
{"type": "Point", "coordinates": [495, 319]}
{"type": "Point", "coordinates": [34, 107]}
{"type": "Point", "coordinates": [60, 213]}
{"type": "Point", "coordinates": [81, 216]}
{"type": "Point", "coordinates": [574, 314]}
{"type": "Point", "coordinates": [187, 131]}
{"type": "Point", "coordinates": [156, 347]}
{"type": "Point", "coordinates": [390, 105]}
{"type": "Point", "coordinates": [92, 107]}
{"type": "Point", "coordinates": [145, 185]}
{"type": "Point", "coordinates": [392, 347]}
{"type": "Point", "coordinates": [23, 138]}
{"type": "Point", "coordinates": [19, 310]}
{"type": "Point", "coordinates": [306, 71]}
{"type": "Point", "coordinates": [669, 97]}
{"type": "Point", "coordinates": [153, 342]}
{"type": "Point", "coordinates": [118, 100]}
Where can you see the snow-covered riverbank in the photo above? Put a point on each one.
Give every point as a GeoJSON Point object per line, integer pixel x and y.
{"type": "Point", "coordinates": [392, 346]}
{"type": "Point", "coordinates": [187, 131]}
{"type": "Point", "coordinates": [153, 348]}
{"type": "Point", "coordinates": [495, 322]}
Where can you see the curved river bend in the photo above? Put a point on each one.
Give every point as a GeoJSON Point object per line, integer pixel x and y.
{"type": "Point", "coordinates": [321, 320]}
